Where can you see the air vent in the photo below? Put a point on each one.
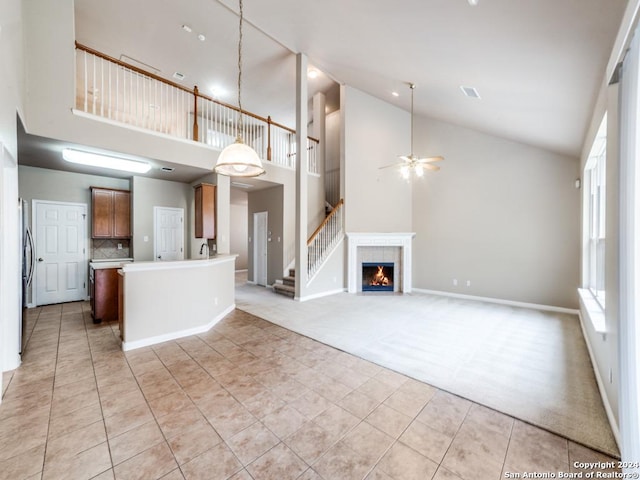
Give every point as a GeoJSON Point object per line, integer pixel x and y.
{"type": "Point", "coordinates": [470, 91]}
{"type": "Point", "coordinates": [178, 76]}
{"type": "Point", "coordinates": [167, 169]}
{"type": "Point", "coordinates": [241, 185]}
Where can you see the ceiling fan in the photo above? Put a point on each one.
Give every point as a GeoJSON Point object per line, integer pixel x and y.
{"type": "Point", "coordinates": [412, 163]}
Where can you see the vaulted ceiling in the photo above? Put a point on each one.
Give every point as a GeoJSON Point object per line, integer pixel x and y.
{"type": "Point", "coordinates": [537, 64]}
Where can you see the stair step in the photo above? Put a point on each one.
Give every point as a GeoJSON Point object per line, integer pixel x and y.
{"type": "Point", "coordinates": [286, 290]}
{"type": "Point", "coordinates": [292, 272]}
{"type": "Point", "coordinates": [291, 281]}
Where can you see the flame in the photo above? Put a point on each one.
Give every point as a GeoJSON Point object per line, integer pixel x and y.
{"type": "Point", "coordinates": [379, 278]}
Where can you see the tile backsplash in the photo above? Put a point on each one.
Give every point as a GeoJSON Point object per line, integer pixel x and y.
{"type": "Point", "coordinates": [108, 248]}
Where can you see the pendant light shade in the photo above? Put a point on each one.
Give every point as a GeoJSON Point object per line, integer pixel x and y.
{"type": "Point", "coordinates": [239, 159]}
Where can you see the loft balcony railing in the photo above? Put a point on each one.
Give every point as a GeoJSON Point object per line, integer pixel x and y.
{"type": "Point", "coordinates": [123, 93]}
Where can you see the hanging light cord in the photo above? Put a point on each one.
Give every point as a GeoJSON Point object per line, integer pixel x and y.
{"type": "Point", "coordinates": [239, 124]}
{"type": "Point", "coordinates": [412, 87]}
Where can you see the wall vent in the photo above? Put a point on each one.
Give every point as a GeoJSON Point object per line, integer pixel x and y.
{"type": "Point", "coordinates": [470, 91]}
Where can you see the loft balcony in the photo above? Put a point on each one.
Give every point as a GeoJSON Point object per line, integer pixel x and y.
{"type": "Point", "coordinates": [124, 94]}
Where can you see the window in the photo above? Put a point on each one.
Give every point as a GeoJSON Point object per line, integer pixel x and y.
{"type": "Point", "coordinates": [595, 182]}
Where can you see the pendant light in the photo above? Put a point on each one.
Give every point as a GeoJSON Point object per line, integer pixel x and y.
{"type": "Point", "coordinates": [239, 159]}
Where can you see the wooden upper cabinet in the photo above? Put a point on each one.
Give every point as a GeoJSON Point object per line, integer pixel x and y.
{"type": "Point", "coordinates": [111, 213]}
{"type": "Point", "coordinates": [205, 210]}
{"type": "Point", "coordinates": [122, 214]}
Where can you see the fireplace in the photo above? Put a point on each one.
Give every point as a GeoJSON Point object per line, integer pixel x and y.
{"type": "Point", "coordinates": [373, 248]}
{"type": "Point", "coordinates": [377, 277]}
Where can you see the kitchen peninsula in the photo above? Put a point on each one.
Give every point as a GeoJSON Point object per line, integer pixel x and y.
{"type": "Point", "coordinates": [161, 301]}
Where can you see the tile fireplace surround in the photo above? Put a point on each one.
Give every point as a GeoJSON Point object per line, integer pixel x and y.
{"type": "Point", "coordinates": [359, 241]}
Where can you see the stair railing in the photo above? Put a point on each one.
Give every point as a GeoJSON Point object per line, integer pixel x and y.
{"type": "Point", "coordinates": [324, 239]}
{"type": "Point", "coordinates": [124, 93]}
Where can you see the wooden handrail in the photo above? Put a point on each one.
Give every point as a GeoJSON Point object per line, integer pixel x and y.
{"type": "Point", "coordinates": [267, 120]}
{"type": "Point", "coordinates": [325, 221]}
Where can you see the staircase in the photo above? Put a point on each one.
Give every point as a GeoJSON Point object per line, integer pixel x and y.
{"type": "Point", "coordinates": [288, 285]}
{"type": "Point", "coordinates": [319, 245]}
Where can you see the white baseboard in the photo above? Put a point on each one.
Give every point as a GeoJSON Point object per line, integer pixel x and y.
{"type": "Point", "coordinates": [603, 393]}
{"type": "Point", "coordinates": [320, 295]}
{"type": "Point", "coordinates": [512, 303]}
{"type": "Point", "coordinates": [126, 346]}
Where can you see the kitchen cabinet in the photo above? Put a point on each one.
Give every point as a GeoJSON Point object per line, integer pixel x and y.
{"type": "Point", "coordinates": [103, 297]}
{"type": "Point", "coordinates": [111, 213]}
{"type": "Point", "coordinates": [205, 210]}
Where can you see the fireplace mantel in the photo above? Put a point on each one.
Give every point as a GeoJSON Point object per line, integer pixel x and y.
{"type": "Point", "coordinates": [402, 240]}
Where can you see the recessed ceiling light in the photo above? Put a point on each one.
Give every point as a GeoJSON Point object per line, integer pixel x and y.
{"type": "Point", "coordinates": [217, 92]}
{"type": "Point", "coordinates": [201, 37]}
{"type": "Point", "coordinates": [187, 28]}
{"type": "Point", "coordinates": [395, 94]}
{"type": "Point", "coordinates": [473, 3]}
{"type": "Point", "coordinates": [104, 161]}
{"type": "Point", "coordinates": [312, 73]}
{"type": "Point", "coordinates": [178, 76]}
{"type": "Point", "coordinates": [470, 92]}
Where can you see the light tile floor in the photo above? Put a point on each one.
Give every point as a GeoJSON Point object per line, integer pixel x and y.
{"type": "Point", "coordinates": [247, 400]}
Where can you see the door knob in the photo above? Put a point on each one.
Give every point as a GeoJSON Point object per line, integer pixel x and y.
{"type": "Point", "coordinates": [159, 256]}
{"type": "Point", "coordinates": [41, 259]}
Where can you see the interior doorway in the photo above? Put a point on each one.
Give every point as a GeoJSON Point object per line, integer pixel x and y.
{"type": "Point", "coordinates": [168, 238]}
{"type": "Point", "coordinates": [260, 222]}
{"type": "Point", "coordinates": [61, 259]}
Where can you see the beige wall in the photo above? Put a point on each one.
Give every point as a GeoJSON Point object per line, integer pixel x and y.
{"type": "Point", "coordinates": [49, 41]}
{"type": "Point", "coordinates": [240, 227]}
{"type": "Point", "coordinates": [11, 101]}
{"type": "Point", "coordinates": [502, 215]}
{"type": "Point", "coordinates": [605, 346]}
{"type": "Point", "coordinates": [375, 133]}
{"type": "Point", "coordinates": [55, 185]}
{"type": "Point", "coordinates": [270, 200]}
{"type": "Point", "coordinates": [148, 193]}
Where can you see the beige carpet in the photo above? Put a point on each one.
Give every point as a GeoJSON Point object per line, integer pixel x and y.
{"type": "Point", "coordinates": [529, 364]}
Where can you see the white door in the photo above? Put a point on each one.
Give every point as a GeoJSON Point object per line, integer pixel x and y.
{"type": "Point", "coordinates": [168, 233]}
{"type": "Point", "coordinates": [61, 260]}
{"type": "Point", "coordinates": [260, 248]}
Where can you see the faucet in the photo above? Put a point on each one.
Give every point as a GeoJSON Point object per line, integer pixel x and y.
{"type": "Point", "coordinates": [202, 248]}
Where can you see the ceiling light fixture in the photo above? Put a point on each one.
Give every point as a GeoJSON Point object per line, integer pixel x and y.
{"type": "Point", "coordinates": [473, 3]}
{"type": "Point", "coordinates": [201, 37]}
{"type": "Point", "coordinates": [187, 28]}
{"type": "Point", "coordinates": [104, 161]}
{"type": "Point", "coordinates": [312, 74]}
{"type": "Point", "coordinates": [239, 159]}
{"type": "Point", "coordinates": [395, 94]}
{"type": "Point", "coordinates": [410, 163]}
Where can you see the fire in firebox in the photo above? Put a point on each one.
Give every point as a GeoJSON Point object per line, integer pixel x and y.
{"type": "Point", "coordinates": [377, 277]}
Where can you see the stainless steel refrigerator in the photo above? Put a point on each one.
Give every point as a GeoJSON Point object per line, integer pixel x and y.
{"type": "Point", "coordinates": [28, 265]}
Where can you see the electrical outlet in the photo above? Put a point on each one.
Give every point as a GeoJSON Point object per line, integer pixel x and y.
{"type": "Point", "coordinates": [119, 246]}
{"type": "Point", "coordinates": [455, 282]}
{"type": "Point", "coordinates": [215, 301]}
{"type": "Point", "coordinates": [468, 283]}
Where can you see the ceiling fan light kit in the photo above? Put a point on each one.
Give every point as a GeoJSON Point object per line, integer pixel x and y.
{"type": "Point", "coordinates": [239, 159]}
{"type": "Point", "coordinates": [411, 163]}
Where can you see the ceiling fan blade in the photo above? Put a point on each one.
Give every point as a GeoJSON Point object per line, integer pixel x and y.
{"type": "Point", "coordinates": [392, 165]}
{"type": "Point", "coordinates": [429, 159]}
{"type": "Point", "coordinates": [428, 166]}
{"type": "Point", "coordinates": [405, 158]}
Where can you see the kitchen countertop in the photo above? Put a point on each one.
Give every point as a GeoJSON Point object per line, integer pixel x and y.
{"type": "Point", "coordinates": [109, 263]}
